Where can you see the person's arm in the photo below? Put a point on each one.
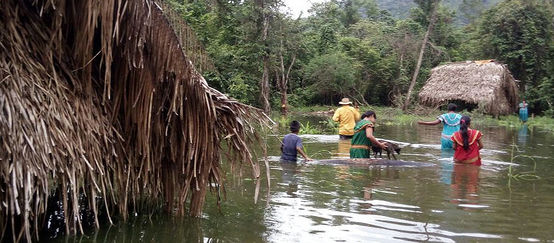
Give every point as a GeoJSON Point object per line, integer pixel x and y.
{"type": "Point", "coordinates": [480, 144]}
{"type": "Point", "coordinates": [357, 115]}
{"type": "Point", "coordinates": [454, 145]}
{"type": "Point", "coordinates": [336, 116]}
{"type": "Point", "coordinates": [435, 122]}
{"type": "Point", "coordinates": [301, 152]}
{"type": "Point", "coordinates": [369, 135]}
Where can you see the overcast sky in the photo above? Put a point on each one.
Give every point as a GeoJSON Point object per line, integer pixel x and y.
{"type": "Point", "coordinates": [297, 6]}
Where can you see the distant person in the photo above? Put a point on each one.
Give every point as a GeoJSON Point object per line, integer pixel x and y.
{"type": "Point", "coordinates": [363, 136]}
{"type": "Point", "coordinates": [523, 114]}
{"type": "Point", "coordinates": [467, 143]}
{"type": "Point", "coordinates": [451, 124]}
{"type": "Point", "coordinates": [292, 144]}
{"type": "Point", "coordinates": [346, 116]}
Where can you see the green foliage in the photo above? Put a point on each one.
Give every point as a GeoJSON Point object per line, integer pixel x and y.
{"type": "Point", "coordinates": [330, 126]}
{"type": "Point", "coordinates": [333, 75]}
{"type": "Point", "coordinates": [519, 33]}
{"type": "Point", "coordinates": [239, 89]}
{"type": "Point", "coordinates": [306, 128]}
{"type": "Point", "coordinates": [357, 49]}
{"type": "Point", "coordinates": [545, 93]}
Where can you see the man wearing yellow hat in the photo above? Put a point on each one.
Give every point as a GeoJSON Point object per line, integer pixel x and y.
{"type": "Point", "coordinates": [346, 116]}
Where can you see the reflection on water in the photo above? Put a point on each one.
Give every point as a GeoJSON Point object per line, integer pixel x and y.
{"type": "Point", "coordinates": [447, 156]}
{"type": "Point", "coordinates": [522, 135]}
{"type": "Point", "coordinates": [338, 203]}
{"type": "Point", "coordinates": [343, 149]}
{"type": "Point", "coordinates": [465, 184]}
{"type": "Point", "coordinates": [288, 176]}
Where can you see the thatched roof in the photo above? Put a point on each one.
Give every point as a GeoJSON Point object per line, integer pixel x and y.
{"type": "Point", "coordinates": [98, 101]}
{"type": "Point", "coordinates": [486, 83]}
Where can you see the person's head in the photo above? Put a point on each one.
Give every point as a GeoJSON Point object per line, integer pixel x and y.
{"type": "Point", "coordinates": [294, 126]}
{"type": "Point", "coordinates": [345, 102]}
{"type": "Point", "coordinates": [369, 115]}
{"type": "Point", "coordinates": [452, 107]}
{"type": "Point", "coordinates": [464, 125]}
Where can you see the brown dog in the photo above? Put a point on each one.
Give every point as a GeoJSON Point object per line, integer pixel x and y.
{"type": "Point", "coordinates": [391, 148]}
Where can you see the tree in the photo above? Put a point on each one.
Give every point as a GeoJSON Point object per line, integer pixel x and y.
{"type": "Point", "coordinates": [263, 23]}
{"type": "Point", "coordinates": [289, 46]}
{"type": "Point", "coordinates": [519, 33]}
{"type": "Point", "coordinates": [430, 8]}
{"type": "Point", "coordinates": [334, 75]}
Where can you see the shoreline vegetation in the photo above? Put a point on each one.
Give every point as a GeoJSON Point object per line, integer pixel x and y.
{"type": "Point", "coordinates": [395, 116]}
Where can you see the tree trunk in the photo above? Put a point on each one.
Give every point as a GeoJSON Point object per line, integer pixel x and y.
{"type": "Point", "coordinates": [284, 102]}
{"type": "Point", "coordinates": [420, 58]}
{"type": "Point", "coordinates": [264, 83]}
{"type": "Point", "coordinates": [284, 80]}
{"type": "Point", "coordinates": [264, 86]}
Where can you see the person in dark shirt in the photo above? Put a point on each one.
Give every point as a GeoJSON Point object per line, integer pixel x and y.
{"type": "Point", "coordinates": [292, 144]}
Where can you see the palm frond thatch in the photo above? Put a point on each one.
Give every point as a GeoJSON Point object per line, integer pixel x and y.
{"type": "Point", "coordinates": [192, 47]}
{"type": "Point", "coordinates": [488, 84]}
{"type": "Point", "coordinates": [98, 102]}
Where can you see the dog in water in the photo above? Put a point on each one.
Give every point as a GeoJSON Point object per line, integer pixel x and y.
{"type": "Point", "coordinates": [391, 148]}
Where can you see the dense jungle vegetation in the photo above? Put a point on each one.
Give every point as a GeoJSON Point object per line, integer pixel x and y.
{"type": "Point", "coordinates": [368, 49]}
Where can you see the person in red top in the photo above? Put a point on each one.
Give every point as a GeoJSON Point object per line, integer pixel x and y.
{"type": "Point", "coordinates": [467, 143]}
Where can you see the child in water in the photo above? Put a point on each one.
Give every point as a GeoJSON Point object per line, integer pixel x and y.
{"type": "Point", "coordinates": [467, 143]}
{"type": "Point", "coordinates": [292, 144]}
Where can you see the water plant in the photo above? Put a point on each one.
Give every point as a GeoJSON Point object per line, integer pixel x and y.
{"type": "Point", "coordinates": [307, 128]}
{"type": "Point", "coordinates": [330, 125]}
{"type": "Point", "coordinates": [321, 153]}
{"type": "Point", "coordinates": [523, 176]}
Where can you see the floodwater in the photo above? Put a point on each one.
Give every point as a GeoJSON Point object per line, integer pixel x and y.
{"type": "Point", "coordinates": [314, 202]}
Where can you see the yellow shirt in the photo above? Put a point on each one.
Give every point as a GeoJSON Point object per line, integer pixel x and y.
{"type": "Point", "coordinates": [346, 116]}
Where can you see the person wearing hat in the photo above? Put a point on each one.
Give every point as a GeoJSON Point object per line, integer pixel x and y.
{"type": "Point", "coordinates": [346, 116]}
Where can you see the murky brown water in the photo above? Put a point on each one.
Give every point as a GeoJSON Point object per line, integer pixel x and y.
{"type": "Point", "coordinates": [326, 203]}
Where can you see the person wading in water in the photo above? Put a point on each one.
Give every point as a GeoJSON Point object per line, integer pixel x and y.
{"type": "Point", "coordinates": [467, 143]}
{"type": "Point", "coordinates": [363, 136]}
{"type": "Point", "coordinates": [346, 116]}
{"type": "Point", "coordinates": [523, 113]}
{"type": "Point", "coordinates": [451, 124]}
{"type": "Point", "coordinates": [292, 145]}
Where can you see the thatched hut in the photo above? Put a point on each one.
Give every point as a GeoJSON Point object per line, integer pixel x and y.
{"type": "Point", "coordinates": [488, 84]}
{"type": "Point", "coordinates": [100, 106]}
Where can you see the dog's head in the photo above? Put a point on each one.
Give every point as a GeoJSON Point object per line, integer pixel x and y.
{"type": "Point", "coordinates": [397, 149]}
{"type": "Point", "coordinates": [392, 147]}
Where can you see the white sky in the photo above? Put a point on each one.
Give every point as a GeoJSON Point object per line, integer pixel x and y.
{"type": "Point", "coordinates": [297, 6]}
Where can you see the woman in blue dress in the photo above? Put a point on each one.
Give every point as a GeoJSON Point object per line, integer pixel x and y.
{"type": "Point", "coordinates": [451, 124]}
{"type": "Point", "coordinates": [523, 114]}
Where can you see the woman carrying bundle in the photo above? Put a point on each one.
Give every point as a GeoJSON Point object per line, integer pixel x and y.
{"type": "Point", "coordinates": [467, 143]}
